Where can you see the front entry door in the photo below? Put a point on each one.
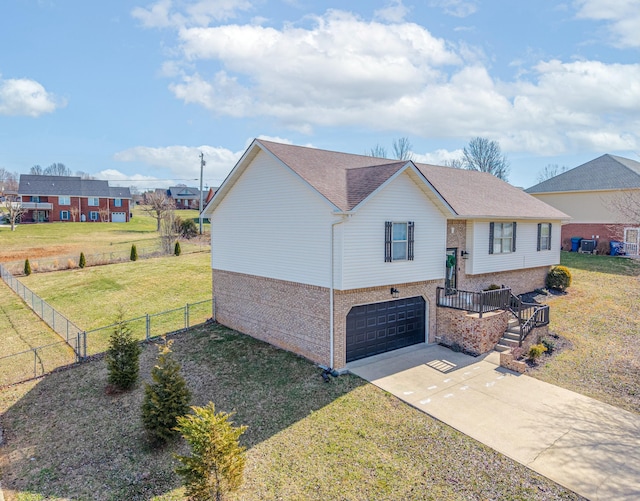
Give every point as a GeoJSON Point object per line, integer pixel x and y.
{"type": "Point", "coordinates": [451, 276]}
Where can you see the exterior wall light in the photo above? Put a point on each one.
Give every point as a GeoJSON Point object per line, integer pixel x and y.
{"type": "Point", "coordinates": [464, 254]}
{"type": "Point", "coordinates": [395, 292]}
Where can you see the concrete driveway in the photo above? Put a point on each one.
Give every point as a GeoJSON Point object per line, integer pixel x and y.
{"type": "Point", "coordinates": [585, 445]}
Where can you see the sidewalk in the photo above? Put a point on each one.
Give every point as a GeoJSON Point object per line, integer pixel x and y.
{"type": "Point", "coordinates": [585, 445]}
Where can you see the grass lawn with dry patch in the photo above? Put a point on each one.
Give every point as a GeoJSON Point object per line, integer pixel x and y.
{"type": "Point", "coordinates": [66, 439]}
{"type": "Point", "coordinates": [20, 332]}
{"type": "Point", "coordinates": [599, 316]}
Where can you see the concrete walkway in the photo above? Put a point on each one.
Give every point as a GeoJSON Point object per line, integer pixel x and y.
{"type": "Point", "coordinates": [585, 445]}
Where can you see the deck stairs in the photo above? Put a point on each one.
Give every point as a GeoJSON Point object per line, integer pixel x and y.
{"type": "Point", "coordinates": [511, 337]}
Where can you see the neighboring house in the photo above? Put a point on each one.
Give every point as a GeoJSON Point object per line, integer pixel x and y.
{"type": "Point", "coordinates": [595, 194]}
{"type": "Point", "coordinates": [338, 257]}
{"type": "Point", "coordinates": [185, 197]}
{"type": "Point", "coordinates": [70, 198]}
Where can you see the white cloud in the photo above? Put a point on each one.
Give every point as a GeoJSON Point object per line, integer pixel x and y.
{"type": "Point", "coordinates": [340, 71]}
{"type": "Point", "coordinates": [166, 13]}
{"type": "Point", "coordinates": [183, 162]}
{"type": "Point", "coordinates": [26, 98]}
{"type": "Point", "coordinates": [622, 16]}
{"type": "Point", "coordinates": [456, 8]}
{"type": "Point", "coordinates": [438, 157]}
{"type": "Point", "coordinates": [395, 12]}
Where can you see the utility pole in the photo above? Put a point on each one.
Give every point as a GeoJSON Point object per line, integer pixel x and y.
{"type": "Point", "coordinates": [202, 164]}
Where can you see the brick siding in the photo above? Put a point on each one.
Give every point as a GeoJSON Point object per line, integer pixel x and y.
{"type": "Point", "coordinates": [603, 232]}
{"type": "Point", "coordinates": [467, 330]}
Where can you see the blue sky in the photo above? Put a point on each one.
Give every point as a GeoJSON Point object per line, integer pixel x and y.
{"type": "Point", "coordinates": [132, 91]}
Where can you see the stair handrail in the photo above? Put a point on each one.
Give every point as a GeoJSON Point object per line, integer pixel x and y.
{"type": "Point", "coordinates": [538, 318]}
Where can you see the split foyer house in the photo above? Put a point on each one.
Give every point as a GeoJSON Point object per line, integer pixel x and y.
{"type": "Point", "coordinates": [338, 257]}
{"type": "Point", "coordinates": [70, 198]}
{"type": "Point", "coordinates": [184, 197]}
{"type": "Point", "coordinates": [601, 196]}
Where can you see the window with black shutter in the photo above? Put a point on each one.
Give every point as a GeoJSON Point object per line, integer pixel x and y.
{"type": "Point", "coordinates": [398, 241]}
{"type": "Point", "coordinates": [544, 236]}
{"type": "Point", "coordinates": [502, 238]}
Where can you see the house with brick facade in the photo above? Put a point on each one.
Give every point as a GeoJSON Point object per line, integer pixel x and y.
{"type": "Point", "coordinates": [339, 257]}
{"type": "Point", "coordinates": [70, 198]}
{"type": "Point", "coordinates": [184, 197]}
{"type": "Point", "coordinates": [602, 197]}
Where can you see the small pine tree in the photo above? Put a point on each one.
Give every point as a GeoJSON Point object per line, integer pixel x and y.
{"type": "Point", "coordinates": [176, 250]}
{"type": "Point", "coordinates": [27, 267]}
{"type": "Point", "coordinates": [123, 356]}
{"type": "Point", "coordinates": [216, 464]}
{"type": "Point", "coordinates": [165, 399]}
{"type": "Point", "coordinates": [83, 262]}
{"type": "Point", "coordinates": [134, 253]}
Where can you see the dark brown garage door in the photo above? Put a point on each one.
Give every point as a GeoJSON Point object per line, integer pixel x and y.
{"type": "Point", "coordinates": [381, 327]}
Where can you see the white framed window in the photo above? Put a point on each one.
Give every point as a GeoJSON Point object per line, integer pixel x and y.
{"type": "Point", "coordinates": [93, 202]}
{"type": "Point", "coordinates": [64, 215]}
{"type": "Point", "coordinates": [62, 200]}
{"type": "Point", "coordinates": [398, 241]}
{"type": "Point", "coordinates": [544, 236]}
{"type": "Point", "coordinates": [117, 202]}
{"type": "Point", "coordinates": [36, 199]}
{"type": "Point", "coordinates": [94, 215]}
{"type": "Point", "coordinates": [502, 238]}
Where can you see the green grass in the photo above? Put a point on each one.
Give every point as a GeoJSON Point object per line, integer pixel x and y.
{"type": "Point", "coordinates": [22, 331]}
{"type": "Point", "coordinates": [599, 316]}
{"type": "Point", "coordinates": [91, 297]}
{"type": "Point", "coordinates": [306, 439]}
{"type": "Point", "coordinates": [62, 239]}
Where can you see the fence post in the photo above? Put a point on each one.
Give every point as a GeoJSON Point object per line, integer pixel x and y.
{"type": "Point", "coordinates": [84, 344]}
{"type": "Point", "coordinates": [481, 303]}
{"type": "Point", "coordinates": [213, 307]}
{"type": "Point", "coordinates": [148, 326]}
{"type": "Point", "coordinates": [35, 363]}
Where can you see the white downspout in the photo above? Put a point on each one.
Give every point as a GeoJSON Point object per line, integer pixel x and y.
{"type": "Point", "coordinates": [331, 301]}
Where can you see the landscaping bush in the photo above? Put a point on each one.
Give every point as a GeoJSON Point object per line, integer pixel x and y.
{"type": "Point", "coordinates": [27, 267]}
{"type": "Point", "coordinates": [536, 351]}
{"type": "Point", "coordinates": [123, 356]}
{"type": "Point", "coordinates": [216, 464]}
{"type": "Point", "coordinates": [134, 253]}
{"type": "Point", "coordinates": [603, 247]}
{"type": "Point", "coordinates": [83, 262]}
{"type": "Point", "coordinates": [493, 287]}
{"type": "Point", "coordinates": [165, 399]}
{"type": "Point", "coordinates": [176, 250]}
{"type": "Point", "coordinates": [559, 277]}
{"type": "Point", "coordinates": [188, 228]}
{"type": "Point", "coordinates": [549, 344]}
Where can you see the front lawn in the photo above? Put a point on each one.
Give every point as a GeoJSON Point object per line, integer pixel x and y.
{"type": "Point", "coordinates": [65, 438]}
{"type": "Point", "coordinates": [599, 316]}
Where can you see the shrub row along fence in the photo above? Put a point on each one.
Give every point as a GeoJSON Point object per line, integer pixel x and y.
{"type": "Point", "coordinates": [70, 262]}
{"type": "Point", "coordinates": [76, 343]}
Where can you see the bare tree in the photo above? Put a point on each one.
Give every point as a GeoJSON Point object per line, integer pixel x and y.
{"type": "Point", "coordinates": [84, 175]}
{"type": "Point", "coordinates": [378, 151]}
{"type": "Point", "coordinates": [485, 156]}
{"type": "Point", "coordinates": [57, 169]}
{"type": "Point", "coordinates": [402, 148]}
{"type": "Point", "coordinates": [456, 163]}
{"type": "Point", "coordinates": [168, 231]}
{"type": "Point", "coordinates": [75, 212]}
{"type": "Point", "coordinates": [12, 207]}
{"type": "Point", "coordinates": [8, 180]}
{"type": "Point", "coordinates": [36, 170]}
{"type": "Point", "coordinates": [549, 171]}
{"type": "Point", "coordinates": [157, 205]}
{"type": "Point", "coordinates": [104, 214]}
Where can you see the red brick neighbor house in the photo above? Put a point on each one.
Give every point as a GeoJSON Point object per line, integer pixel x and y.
{"type": "Point", "coordinates": [338, 257]}
{"type": "Point", "coordinates": [68, 198]}
{"type": "Point", "coordinates": [602, 197]}
{"type": "Point", "coordinates": [184, 197]}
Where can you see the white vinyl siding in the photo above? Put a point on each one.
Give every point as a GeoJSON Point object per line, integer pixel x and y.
{"type": "Point", "coordinates": [589, 206]}
{"type": "Point", "coordinates": [363, 238]}
{"type": "Point", "coordinates": [272, 224]}
{"type": "Point", "coordinates": [525, 256]}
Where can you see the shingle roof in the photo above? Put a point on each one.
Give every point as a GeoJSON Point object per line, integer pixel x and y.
{"type": "Point", "coordinates": [608, 172]}
{"type": "Point", "coordinates": [69, 186]}
{"type": "Point", "coordinates": [346, 180]}
{"type": "Point", "coordinates": [183, 192]}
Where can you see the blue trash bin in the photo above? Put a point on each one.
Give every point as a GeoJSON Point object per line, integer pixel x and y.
{"type": "Point", "coordinates": [616, 248]}
{"type": "Point", "coordinates": [575, 243]}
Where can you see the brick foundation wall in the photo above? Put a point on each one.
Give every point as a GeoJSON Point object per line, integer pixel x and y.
{"type": "Point", "coordinates": [345, 300]}
{"type": "Point", "coordinates": [289, 315]}
{"type": "Point", "coordinates": [534, 337]}
{"type": "Point", "coordinates": [602, 231]}
{"type": "Point", "coordinates": [468, 330]}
